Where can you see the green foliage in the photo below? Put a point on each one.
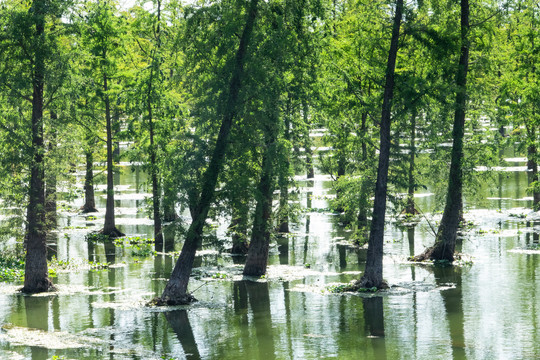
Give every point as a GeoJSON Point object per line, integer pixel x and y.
{"type": "Point", "coordinates": [11, 267]}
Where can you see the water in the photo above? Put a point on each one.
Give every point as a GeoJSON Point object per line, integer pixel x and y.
{"type": "Point", "coordinates": [487, 310]}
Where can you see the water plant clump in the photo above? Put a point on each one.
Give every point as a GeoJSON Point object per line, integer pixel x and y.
{"type": "Point", "coordinates": [138, 246]}
{"type": "Point", "coordinates": [349, 288]}
{"type": "Point", "coordinates": [97, 237]}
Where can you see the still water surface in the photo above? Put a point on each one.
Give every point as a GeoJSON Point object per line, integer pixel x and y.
{"type": "Point", "coordinates": [487, 310]}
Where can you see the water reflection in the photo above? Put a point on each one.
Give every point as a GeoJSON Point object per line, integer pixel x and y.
{"type": "Point", "coordinates": [259, 301]}
{"type": "Point", "coordinates": [280, 320]}
{"type": "Point", "coordinates": [450, 277]}
{"type": "Point", "coordinates": [283, 249]}
{"type": "Point", "coordinates": [37, 317]}
{"type": "Point", "coordinates": [374, 324]}
{"type": "Point", "coordinates": [179, 321]}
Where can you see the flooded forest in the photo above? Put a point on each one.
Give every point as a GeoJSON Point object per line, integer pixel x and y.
{"type": "Point", "coordinates": [269, 179]}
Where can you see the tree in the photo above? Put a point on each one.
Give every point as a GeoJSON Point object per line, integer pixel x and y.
{"type": "Point", "coordinates": [101, 33]}
{"type": "Point", "coordinates": [520, 86]}
{"type": "Point", "coordinates": [373, 273]}
{"type": "Point", "coordinates": [176, 290]}
{"type": "Point", "coordinates": [28, 51]}
{"type": "Point", "coordinates": [445, 241]}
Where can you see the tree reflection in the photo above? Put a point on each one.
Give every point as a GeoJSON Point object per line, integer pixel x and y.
{"type": "Point", "coordinates": [37, 317]}
{"type": "Point", "coordinates": [259, 301]}
{"type": "Point", "coordinates": [453, 302]}
{"type": "Point", "coordinates": [374, 324]}
{"type": "Point", "coordinates": [179, 322]}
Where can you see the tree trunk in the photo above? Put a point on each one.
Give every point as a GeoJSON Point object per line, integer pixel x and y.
{"type": "Point", "coordinates": [411, 209]}
{"type": "Point", "coordinates": [50, 186]}
{"type": "Point", "coordinates": [362, 217]}
{"type": "Point", "coordinates": [169, 200]}
{"type": "Point", "coordinates": [156, 192]}
{"type": "Point", "coordinates": [238, 230]}
{"type": "Point", "coordinates": [445, 242]}
{"type": "Point", "coordinates": [257, 257]}
{"type": "Point", "coordinates": [89, 198]}
{"type": "Point", "coordinates": [284, 180]}
{"type": "Point", "coordinates": [532, 165]}
{"type": "Point", "coordinates": [176, 290]}
{"type": "Point", "coordinates": [156, 189]}
{"type": "Point", "coordinates": [309, 153]}
{"type": "Point", "coordinates": [109, 227]}
{"type": "Point", "coordinates": [373, 272]}
{"type": "Point", "coordinates": [35, 271]}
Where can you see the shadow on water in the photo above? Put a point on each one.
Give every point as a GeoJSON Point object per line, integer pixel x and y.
{"type": "Point", "coordinates": [179, 322]}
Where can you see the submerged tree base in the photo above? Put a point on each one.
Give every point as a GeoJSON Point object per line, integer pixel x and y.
{"type": "Point", "coordinates": [239, 249]}
{"type": "Point", "coordinates": [41, 286]}
{"type": "Point", "coordinates": [88, 209]}
{"type": "Point", "coordinates": [365, 283]}
{"type": "Point", "coordinates": [112, 233]}
{"type": "Point", "coordinates": [438, 252]}
{"type": "Point", "coordinates": [167, 301]}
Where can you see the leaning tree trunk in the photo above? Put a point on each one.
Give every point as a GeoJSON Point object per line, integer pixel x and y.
{"type": "Point", "coordinates": [109, 227]}
{"type": "Point", "coordinates": [35, 271]}
{"type": "Point", "coordinates": [176, 290]}
{"type": "Point", "coordinates": [373, 272]}
{"type": "Point", "coordinates": [257, 257]}
{"type": "Point", "coordinates": [445, 242]}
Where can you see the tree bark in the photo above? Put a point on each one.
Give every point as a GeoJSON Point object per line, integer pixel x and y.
{"type": "Point", "coordinates": [374, 269]}
{"type": "Point", "coordinates": [156, 188]}
{"type": "Point", "coordinates": [156, 191]}
{"type": "Point", "coordinates": [89, 198]}
{"type": "Point", "coordinates": [309, 153]}
{"type": "Point", "coordinates": [35, 271]}
{"type": "Point", "coordinates": [257, 257]}
{"type": "Point", "coordinates": [238, 230]}
{"type": "Point", "coordinates": [283, 180]}
{"type": "Point", "coordinates": [176, 290]}
{"type": "Point", "coordinates": [362, 217]}
{"type": "Point", "coordinates": [532, 165]}
{"type": "Point", "coordinates": [445, 242]}
{"type": "Point", "coordinates": [169, 200]}
{"type": "Point", "coordinates": [50, 186]}
{"type": "Point", "coordinates": [411, 208]}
